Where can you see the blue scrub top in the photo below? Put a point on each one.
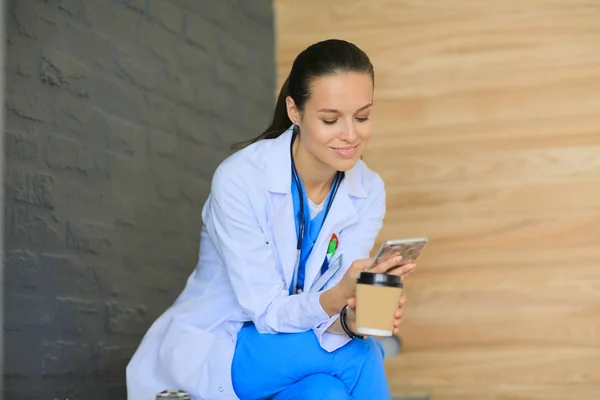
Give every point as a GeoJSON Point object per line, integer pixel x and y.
{"type": "Point", "coordinates": [312, 227]}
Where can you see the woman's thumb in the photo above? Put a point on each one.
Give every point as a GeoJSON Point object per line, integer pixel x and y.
{"type": "Point", "coordinates": [351, 302]}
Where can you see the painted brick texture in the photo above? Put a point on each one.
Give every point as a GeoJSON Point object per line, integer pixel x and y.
{"type": "Point", "coordinates": [117, 114]}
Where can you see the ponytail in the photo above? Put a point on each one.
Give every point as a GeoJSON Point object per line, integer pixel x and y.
{"type": "Point", "coordinates": [281, 121]}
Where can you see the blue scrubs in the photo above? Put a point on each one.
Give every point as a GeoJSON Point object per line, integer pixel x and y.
{"type": "Point", "coordinates": [287, 366]}
{"type": "Point", "coordinates": [312, 227]}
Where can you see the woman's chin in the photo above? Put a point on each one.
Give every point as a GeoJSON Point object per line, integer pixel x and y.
{"type": "Point", "coordinates": [344, 165]}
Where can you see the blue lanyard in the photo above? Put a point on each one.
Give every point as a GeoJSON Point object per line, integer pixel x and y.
{"type": "Point", "coordinates": [302, 223]}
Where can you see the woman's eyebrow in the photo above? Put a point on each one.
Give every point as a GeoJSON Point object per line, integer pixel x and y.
{"type": "Point", "coordinates": [331, 110]}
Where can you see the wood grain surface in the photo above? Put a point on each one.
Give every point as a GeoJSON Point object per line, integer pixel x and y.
{"type": "Point", "coordinates": [487, 134]}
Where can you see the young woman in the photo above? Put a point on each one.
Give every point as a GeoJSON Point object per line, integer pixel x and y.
{"type": "Point", "coordinates": [289, 224]}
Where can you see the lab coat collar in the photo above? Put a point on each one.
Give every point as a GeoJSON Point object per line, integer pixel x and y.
{"type": "Point", "coordinates": [278, 166]}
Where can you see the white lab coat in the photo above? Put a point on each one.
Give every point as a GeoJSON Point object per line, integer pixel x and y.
{"type": "Point", "coordinates": [246, 261]}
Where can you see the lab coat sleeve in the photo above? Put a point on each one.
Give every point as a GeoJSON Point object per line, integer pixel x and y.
{"type": "Point", "coordinates": [234, 228]}
{"type": "Point", "coordinates": [355, 242]}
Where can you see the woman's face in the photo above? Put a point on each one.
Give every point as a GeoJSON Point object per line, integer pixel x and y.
{"type": "Point", "coordinates": [335, 125]}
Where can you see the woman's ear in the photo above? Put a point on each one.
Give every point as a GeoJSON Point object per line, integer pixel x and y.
{"type": "Point", "coordinates": [292, 110]}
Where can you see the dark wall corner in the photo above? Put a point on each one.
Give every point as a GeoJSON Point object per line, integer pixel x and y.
{"type": "Point", "coordinates": [117, 114]}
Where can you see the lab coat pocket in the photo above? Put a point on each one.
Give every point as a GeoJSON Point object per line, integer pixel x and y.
{"type": "Point", "coordinates": [197, 360]}
{"type": "Point", "coordinates": [334, 266]}
{"type": "Point", "coordinates": [337, 274]}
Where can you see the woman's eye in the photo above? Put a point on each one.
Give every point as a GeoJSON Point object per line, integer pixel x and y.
{"type": "Point", "coordinates": [362, 119]}
{"type": "Point", "coordinates": [329, 122]}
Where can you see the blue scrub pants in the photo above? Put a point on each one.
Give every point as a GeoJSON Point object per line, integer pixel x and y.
{"type": "Point", "coordinates": [288, 366]}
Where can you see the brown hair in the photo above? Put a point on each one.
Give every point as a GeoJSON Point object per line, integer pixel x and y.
{"type": "Point", "coordinates": [320, 59]}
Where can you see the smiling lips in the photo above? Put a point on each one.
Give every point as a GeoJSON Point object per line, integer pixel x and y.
{"type": "Point", "coordinates": [345, 152]}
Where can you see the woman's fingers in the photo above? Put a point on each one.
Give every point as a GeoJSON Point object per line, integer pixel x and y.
{"type": "Point", "coordinates": [394, 266]}
{"type": "Point", "coordinates": [386, 265]}
{"type": "Point", "coordinates": [402, 300]}
{"type": "Point", "coordinates": [403, 270]}
{"type": "Point", "coordinates": [399, 313]}
{"type": "Point", "coordinates": [397, 322]}
{"type": "Point", "coordinates": [400, 310]}
{"type": "Point", "coordinates": [351, 302]}
{"type": "Point", "coordinates": [398, 318]}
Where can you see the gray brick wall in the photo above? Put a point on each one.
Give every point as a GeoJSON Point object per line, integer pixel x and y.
{"type": "Point", "coordinates": [117, 113]}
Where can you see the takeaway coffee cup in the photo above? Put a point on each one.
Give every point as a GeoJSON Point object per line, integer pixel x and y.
{"type": "Point", "coordinates": [377, 299]}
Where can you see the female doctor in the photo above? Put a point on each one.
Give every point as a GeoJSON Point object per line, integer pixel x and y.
{"type": "Point", "coordinates": [268, 312]}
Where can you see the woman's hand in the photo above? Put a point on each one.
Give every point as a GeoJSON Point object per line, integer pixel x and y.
{"type": "Point", "coordinates": [351, 314]}
{"type": "Point", "coordinates": [335, 298]}
{"type": "Point", "coordinates": [392, 266]}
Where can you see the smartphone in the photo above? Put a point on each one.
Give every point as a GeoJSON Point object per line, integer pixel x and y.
{"type": "Point", "coordinates": [410, 249]}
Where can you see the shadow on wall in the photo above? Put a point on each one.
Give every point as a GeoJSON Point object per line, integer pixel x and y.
{"type": "Point", "coordinates": [117, 113]}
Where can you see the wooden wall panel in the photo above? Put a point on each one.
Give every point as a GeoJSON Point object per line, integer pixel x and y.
{"type": "Point", "coordinates": [487, 133]}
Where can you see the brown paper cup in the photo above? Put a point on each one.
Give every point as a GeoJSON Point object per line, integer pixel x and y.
{"type": "Point", "coordinates": [377, 299]}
